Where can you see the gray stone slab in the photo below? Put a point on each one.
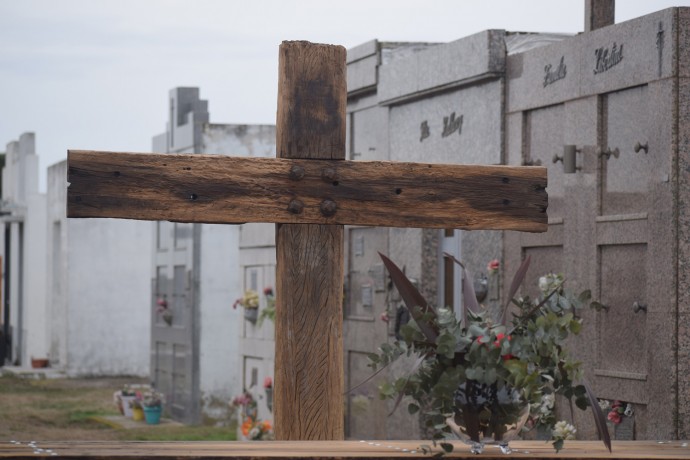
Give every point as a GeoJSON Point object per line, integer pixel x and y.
{"type": "Point", "coordinates": [513, 137]}
{"type": "Point", "coordinates": [470, 118]}
{"type": "Point", "coordinates": [604, 60]}
{"type": "Point", "coordinates": [370, 140]}
{"type": "Point", "coordinates": [683, 33]}
{"type": "Point", "coordinates": [628, 54]}
{"type": "Point", "coordinates": [362, 51]}
{"type": "Point", "coordinates": [362, 74]}
{"type": "Point", "coordinates": [543, 76]}
{"type": "Point", "coordinates": [440, 67]}
{"type": "Point", "coordinates": [683, 257]}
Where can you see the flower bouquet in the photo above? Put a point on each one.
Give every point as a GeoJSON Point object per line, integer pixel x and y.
{"type": "Point", "coordinates": [246, 404]}
{"type": "Point", "coordinates": [123, 398]}
{"type": "Point", "coordinates": [257, 430]}
{"type": "Point", "coordinates": [152, 403]}
{"type": "Point", "coordinates": [153, 398]}
{"type": "Point", "coordinates": [476, 376]}
{"type": "Point", "coordinates": [250, 303]}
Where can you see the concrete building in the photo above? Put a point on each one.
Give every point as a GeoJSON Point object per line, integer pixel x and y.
{"type": "Point", "coordinates": [22, 227]}
{"type": "Point", "coordinates": [618, 218]}
{"type": "Point", "coordinates": [62, 279]}
{"type": "Point", "coordinates": [197, 356]}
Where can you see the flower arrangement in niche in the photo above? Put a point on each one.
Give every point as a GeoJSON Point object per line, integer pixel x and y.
{"type": "Point", "coordinates": [479, 377]}
{"type": "Point", "coordinates": [163, 310]}
{"type": "Point", "coordinates": [246, 405]}
{"type": "Point", "coordinates": [250, 303]}
{"type": "Point", "coordinates": [250, 300]}
{"type": "Point", "coordinates": [616, 410]}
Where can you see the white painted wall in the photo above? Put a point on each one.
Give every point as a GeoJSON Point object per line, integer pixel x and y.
{"type": "Point", "coordinates": [220, 285]}
{"type": "Point", "coordinates": [240, 140]}
{"type": "Point", "coordinates": [257, 344]}
{"type": "Point", "coordinates": [221, 272]}
{"type": "Point", "coordinates": [34, 276]}
{"type": "Point", "coordinates": [57, 264]}
{"type": "Point", "coordinates": [109, 297]}
{"type": "Point", "coordinates": [100, 289]}
{"type": "Point", "coordinates": [230, 346]}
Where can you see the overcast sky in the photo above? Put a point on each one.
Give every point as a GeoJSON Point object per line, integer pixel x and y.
{"type": "Point", "coordinates": [95, 74]}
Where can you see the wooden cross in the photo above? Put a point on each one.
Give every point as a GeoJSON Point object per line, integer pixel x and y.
{"type": "Point", "coordinates": [310, 192]}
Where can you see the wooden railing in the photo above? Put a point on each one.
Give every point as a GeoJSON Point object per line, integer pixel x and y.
{"type": "Point", "coordinates": [333, 449]}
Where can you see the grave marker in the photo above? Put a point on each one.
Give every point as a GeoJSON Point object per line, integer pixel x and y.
{"type": "Point", "coordinates": [310, 192]}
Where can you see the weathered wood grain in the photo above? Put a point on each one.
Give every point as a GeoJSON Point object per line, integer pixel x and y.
{"type": "Point", "coordinates": [309, 376]}
{"type": "Point", "coordinates": [220, 189]}
{"type": "Point", "coordinates": [337, 450]}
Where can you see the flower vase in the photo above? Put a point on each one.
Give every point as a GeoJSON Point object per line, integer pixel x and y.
{"type": "Point", "coordinates": [126, 408]}
{"type": "Point", "coordinates": [137, 414]}
{"type": "Point", "coordinates": [152, 414]}
{"type": "Point", "coordinates": [487, 415]}
{"type": "Point", "coordinates": [251, 314]}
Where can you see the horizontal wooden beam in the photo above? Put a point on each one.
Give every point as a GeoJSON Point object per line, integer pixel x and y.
{"type": "Point", "coordinates": [222, 189]}
{"type": "Point", "coordinates": [404, 450]}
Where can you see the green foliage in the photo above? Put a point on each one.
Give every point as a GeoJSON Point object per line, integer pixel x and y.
{"type": "Point", "coordinates": [269, 311]}
{"type": "Point", "coordinates": [526, 354]}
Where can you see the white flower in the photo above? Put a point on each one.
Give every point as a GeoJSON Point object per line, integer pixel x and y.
{"type": "Point", "coordinates": [629, 410]}
{"type": "Point", "coordinates": [547, 403]}
{"type": "Point", "coordinates": [549, 282]}
{"type": "Point", "coordinates": [255, 433]}
{"type": "Point", "coordinates": [604, 404]}
{"type": "Point", "coordinates": [563, 430]}
{"type": "Point", "coordinates": [543, 283]}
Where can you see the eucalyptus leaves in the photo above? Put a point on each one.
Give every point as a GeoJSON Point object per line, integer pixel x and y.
{"type": "Point", "coordinates": [523, 357]}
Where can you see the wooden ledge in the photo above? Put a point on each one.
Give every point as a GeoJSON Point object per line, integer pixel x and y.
{"type": "Point", "coordinates": [334, 449]}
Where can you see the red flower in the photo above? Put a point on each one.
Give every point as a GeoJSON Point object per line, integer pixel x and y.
{"type": "Point", "coordinates": [268, 383]}
{"type": "Point", "coordinates": [493, 266]}
{"type": "Point", "coordinates": [614, 416]}
{"type": "Point", "coordinates": [268, 291]}
{"type": "Point", "coordinates": [497, 343]}
{"type": "Point", "coordinates": [500, 336]}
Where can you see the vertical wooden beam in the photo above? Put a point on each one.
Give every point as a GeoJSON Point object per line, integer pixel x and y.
{"type": "Point", "coordinates": [312, 98]}
{"type": "Point", "coordinates": [599, 13]}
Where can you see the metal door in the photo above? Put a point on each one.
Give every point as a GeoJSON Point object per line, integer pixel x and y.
{"type": "Point", "coordinates": [174, 349]}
